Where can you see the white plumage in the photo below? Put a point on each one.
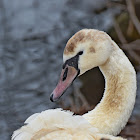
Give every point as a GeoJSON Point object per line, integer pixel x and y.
{"type": "Point", "coordinates": [56, 124]}
{"type": "Point", "coordinates": [85, 50]}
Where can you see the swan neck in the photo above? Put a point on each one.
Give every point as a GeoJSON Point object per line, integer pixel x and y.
{"type": "Point", "coordinates": [112, 113]}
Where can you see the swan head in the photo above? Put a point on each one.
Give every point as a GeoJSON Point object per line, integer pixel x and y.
{"type": "Point", "coordinates": [85, 50]}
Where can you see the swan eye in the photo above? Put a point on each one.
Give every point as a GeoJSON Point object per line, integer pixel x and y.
{"type": "Point", "coordinates": [73, 61]}
{"type": "Point", "coordinates": [80, 53]}
{"type": "Point", "coordinates": [65, 74]}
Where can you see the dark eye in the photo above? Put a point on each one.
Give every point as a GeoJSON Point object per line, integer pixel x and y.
{"type": "Point", "coordinates": [80, 53]}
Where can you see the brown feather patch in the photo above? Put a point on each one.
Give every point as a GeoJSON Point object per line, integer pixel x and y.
{"type": "Point", "coordinates": [92, 50]}
{"type": "Point", "coordinates": [71, 45]}
{"type": "Point", "coordinates": [83, 36]}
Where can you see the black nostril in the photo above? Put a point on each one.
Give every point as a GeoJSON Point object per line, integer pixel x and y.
{"type": "Point", "coordinates": [65, 74]}
{"type": "Point", "coordinates": [51, 97]}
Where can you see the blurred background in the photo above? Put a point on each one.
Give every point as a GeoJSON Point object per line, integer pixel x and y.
{"type": "Point", "coordinates": [33, 35]}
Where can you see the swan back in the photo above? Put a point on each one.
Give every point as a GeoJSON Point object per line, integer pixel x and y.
{"type": "Point", "coordinates": [55, 123]}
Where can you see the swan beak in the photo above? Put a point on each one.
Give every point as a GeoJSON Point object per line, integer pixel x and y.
{"type": "Point", "coordinates": [68, 75]}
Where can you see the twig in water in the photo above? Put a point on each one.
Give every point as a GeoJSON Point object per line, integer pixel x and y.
{"type": "Point", "coordinates": [133, 16]}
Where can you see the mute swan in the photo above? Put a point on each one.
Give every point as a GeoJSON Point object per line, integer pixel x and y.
{"type": "Point", "coordinates": [85, 50]}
